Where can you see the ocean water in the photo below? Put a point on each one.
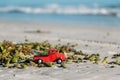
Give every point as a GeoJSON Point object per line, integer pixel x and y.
{"type": "Point", "coordinates": [80, 12]}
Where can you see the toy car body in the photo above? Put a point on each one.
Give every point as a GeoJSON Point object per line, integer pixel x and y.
{"type": "Point", "coordinates": [53, 56]}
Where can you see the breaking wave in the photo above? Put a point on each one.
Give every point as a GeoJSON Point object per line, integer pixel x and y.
{"type": "Point", "coordinates": [60, 9]}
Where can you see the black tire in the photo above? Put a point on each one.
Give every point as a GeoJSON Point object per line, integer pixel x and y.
{"type": "Point", "coordinates": [59, 61]}
{"type": "Point", "coordinates": [39, 61]}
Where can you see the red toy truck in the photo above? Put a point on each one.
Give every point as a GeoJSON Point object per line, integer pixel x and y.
{"type": "Point", "coordinates": [53, 56]}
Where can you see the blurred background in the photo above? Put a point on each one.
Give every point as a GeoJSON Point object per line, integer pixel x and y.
{"type": "Point", "coordinates": [78, 12]}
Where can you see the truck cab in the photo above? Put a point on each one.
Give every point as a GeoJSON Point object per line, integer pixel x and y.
{"type": "Point", "coordinates": [53, 56]}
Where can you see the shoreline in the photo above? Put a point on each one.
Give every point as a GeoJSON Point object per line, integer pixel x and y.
{"type": "Point", "coordinates": [62, 24]}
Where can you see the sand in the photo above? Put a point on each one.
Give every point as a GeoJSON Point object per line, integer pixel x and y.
{"type": "Point", "coordinates": [90, 39]}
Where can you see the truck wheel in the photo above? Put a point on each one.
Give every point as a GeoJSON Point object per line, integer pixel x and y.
{"type": "Point", "coordinates": [59, 61]}
{"type": "Point", "coordinates": [39, 61]}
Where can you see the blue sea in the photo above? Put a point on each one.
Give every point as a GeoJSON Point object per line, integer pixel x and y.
{"type": "Point", "coordinates": [79, 12]}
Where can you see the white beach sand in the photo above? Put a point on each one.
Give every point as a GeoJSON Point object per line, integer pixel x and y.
{"type": "Point", "coordinates": [103, 40]}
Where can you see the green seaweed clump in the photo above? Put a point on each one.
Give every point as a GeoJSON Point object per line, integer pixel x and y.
{"type": "Point", "coordinates": [32, 63]}
{"type": "Point", "coordinates": [48, 64]}
{"type": "Point", "coordinates": [40, 65]}
{"type": "Point", "coordinates": [13, 53]}
{"type": "Point", "coordinates": [63, 65]}
{"type": "Point", "coordinates": [105, 60]}
{"type": "Point", "coordinates": [23, 66]}
{"type": "Point", "coordinates": [116, 55]}
{"type": "Point", "coordinates": [16, 65]}
{"type": "Point", "coordinates": [65, 48]}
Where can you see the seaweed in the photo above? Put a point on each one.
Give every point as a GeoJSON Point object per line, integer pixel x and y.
{"type": "Point", "coordinates": [20, 54]}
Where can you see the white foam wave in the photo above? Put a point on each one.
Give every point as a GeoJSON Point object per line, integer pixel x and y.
{"type": "Point", "coordinates": [59, 9]}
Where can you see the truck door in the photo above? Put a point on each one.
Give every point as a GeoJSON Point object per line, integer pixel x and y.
{"type": "Point", "coordinates": [52, 55]}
